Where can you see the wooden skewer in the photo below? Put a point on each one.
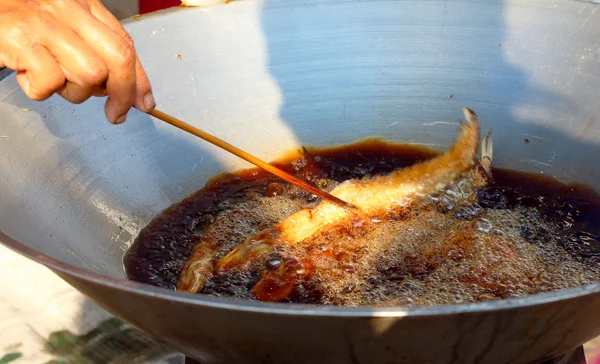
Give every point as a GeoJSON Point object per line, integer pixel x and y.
{"type": "Point", "coordinates": [250, 158]}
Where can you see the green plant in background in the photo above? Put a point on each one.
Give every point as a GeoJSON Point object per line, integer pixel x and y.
{"type": "Point", "coordinates": [112, 341]}
{"type": "Point", "coordinates": [10, 358]}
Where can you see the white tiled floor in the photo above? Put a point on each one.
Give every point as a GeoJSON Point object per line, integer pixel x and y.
{"type": "Point", "coordinates": [34, 302]}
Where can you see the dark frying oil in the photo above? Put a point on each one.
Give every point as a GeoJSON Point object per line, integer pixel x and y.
{"type": "Point", "coordinates": [573, 212]}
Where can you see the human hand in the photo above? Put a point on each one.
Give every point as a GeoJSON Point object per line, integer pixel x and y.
{"type": "Point", "coordinates": [75, 48]}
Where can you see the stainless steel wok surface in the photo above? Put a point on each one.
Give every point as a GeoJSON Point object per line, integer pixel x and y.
{"type": "Point", "coordinates": [270, 76]}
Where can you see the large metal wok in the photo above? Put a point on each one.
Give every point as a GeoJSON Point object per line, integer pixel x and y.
{"type": "Point", "coordinates": [272, 75]}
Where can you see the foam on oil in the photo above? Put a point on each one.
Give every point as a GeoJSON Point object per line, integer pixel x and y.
{"type": "Point", "coordinates": [519, 236]}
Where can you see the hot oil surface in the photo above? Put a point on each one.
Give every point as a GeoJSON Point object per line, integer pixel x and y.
{"type": "Point", "coordinates": [521, 235]}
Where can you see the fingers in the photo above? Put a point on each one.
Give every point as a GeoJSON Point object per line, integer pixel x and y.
{"type": "Point", "coordinates": [119, 58]}
{"type": "Point", "coordinates": [40, 75]}
{"type": "Point", "coordinates": [75, 93]}
{"type": "Point", "coordinates": [77, 49]}
{"type": "Point", "coordinates": [127, 83]}
{"type": "Point", "coordinates": [50, 58]}
{"type": "Point", "coordinates": [144, 99]}
{"type": "Point", "coordinates": [79, 61]}
{"type": "Point", "coordinates": [81, 66]}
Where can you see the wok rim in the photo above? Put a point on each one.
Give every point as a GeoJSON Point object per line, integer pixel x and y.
{"type": "Point", "coordinates": [147, 290]}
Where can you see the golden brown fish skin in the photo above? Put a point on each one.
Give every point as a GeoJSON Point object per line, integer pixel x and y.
{"type": "Point", "coordinates": [198, 267]}
{"type": "Point", "coordinates": [376, 197]}
{"type": "Point", "coordinates": [381, 194]}
{"type": "Point", "coordinates": [483, 171]}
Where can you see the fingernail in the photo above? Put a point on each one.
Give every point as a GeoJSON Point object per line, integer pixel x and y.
{"type": "Point", "coordinates": [149, 102]}
{"type": "Point", "coordinates": [121, 119]}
